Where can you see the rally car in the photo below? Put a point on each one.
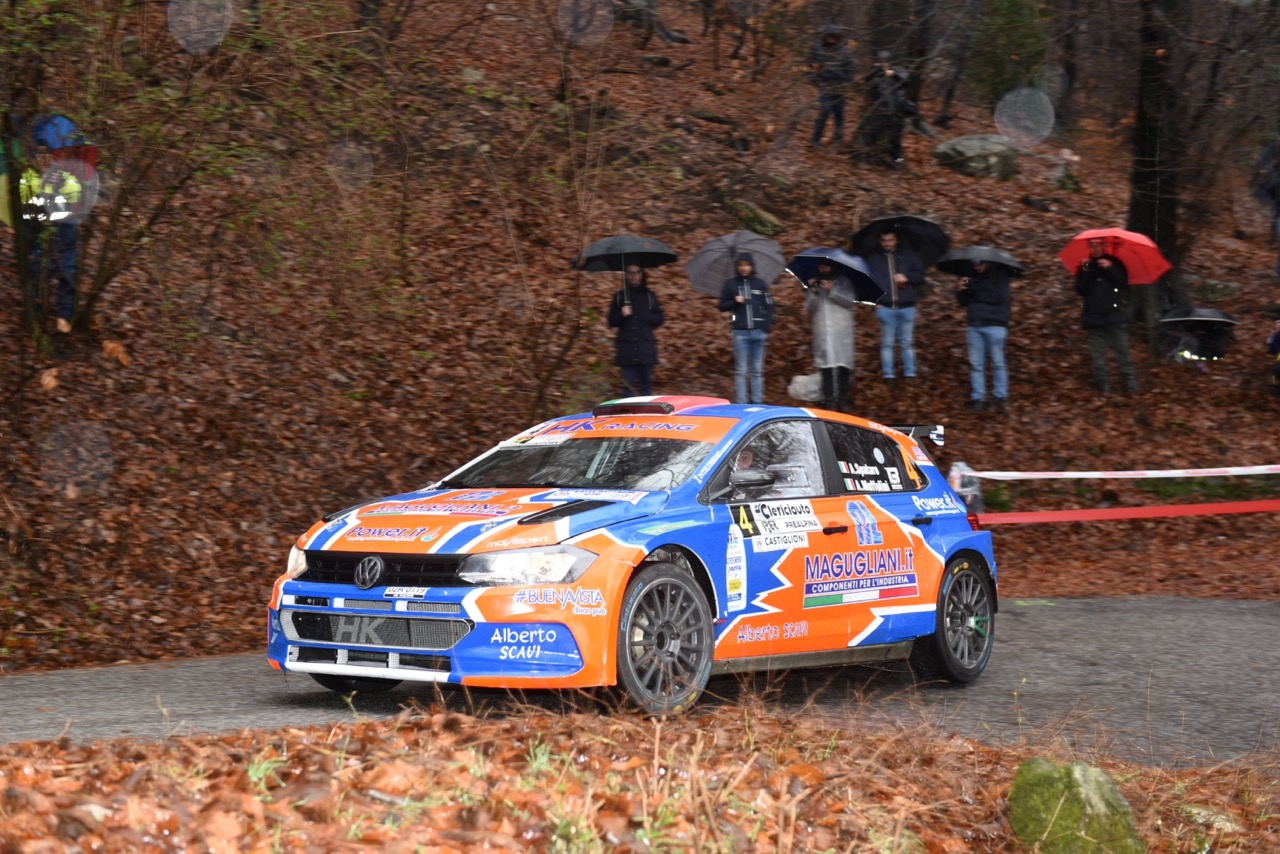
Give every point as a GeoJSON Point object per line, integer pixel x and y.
{"type": "Point", "coordinates": [648, 544]}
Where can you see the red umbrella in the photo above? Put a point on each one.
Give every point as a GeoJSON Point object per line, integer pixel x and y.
{"type": "Point", "coordinates": [1136, 251]}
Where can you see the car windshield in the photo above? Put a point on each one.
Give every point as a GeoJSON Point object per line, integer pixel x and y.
{"type": "Point", "coordinates": [616, 463]}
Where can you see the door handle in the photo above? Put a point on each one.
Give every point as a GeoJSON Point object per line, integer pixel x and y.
{"type": "Point", "coordinates": [835, 529]}
{"type": "Point", "coordinates": [922, 520]}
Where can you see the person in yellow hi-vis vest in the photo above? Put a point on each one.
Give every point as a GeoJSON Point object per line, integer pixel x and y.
{"type": "Point", "coordinates": [49, 198]}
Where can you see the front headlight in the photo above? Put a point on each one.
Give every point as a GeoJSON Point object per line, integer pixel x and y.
{"type": "Point", "coordinates": [297, 563]}
{"type": "Point", "coordinates": [548, 565]}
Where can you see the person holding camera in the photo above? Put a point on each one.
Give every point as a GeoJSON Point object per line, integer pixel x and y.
{"type": "Point", "coordinates": [828, 300]}
{"type": "Point", "coordinates": [1103, 283]}
{"type": "Point", "coordinates": [888, 109]}
{"type": "Point", "coordinates": [985, 298]}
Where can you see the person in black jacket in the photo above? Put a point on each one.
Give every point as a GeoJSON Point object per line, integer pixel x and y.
{"type": "Point", "coordinates": [1103, 282]}
{"type": "Point", "coordinates": [985, 297]}
{"type": "Point", "coordinates": [898, 272]}
{"type": "Point", "coordinates": [887, 111]}
{"type": "Point", "coordinates": [635, 312]}
{"type": "Point", "coordinates": [831, 69]}
{"type": "Point", "coordinates": [747, 296]}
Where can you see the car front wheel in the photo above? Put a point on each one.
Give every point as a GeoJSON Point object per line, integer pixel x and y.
{"type": "Point", "coordinates": [359, 684]}
{"type": "Point", "coordinates": [960, 646]}
{"type": "Point", "coordinates": [664, 640]}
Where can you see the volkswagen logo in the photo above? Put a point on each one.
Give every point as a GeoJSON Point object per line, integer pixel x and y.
{"type": "Point", "coordinates": [368, 571]}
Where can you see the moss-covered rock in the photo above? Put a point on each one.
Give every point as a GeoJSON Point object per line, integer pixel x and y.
{"type": "Point", "coordinates": [1071, 809]}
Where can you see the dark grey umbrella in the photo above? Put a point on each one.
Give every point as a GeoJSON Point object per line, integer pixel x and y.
{"type": "Point", "coordinates": [922, 236]}
{"type": "Point", "coordinates": [715, 261]}
{"type": "Point", "coordinates": [615, 253]}
{"type": "Point", "coordinates": [960, 261]}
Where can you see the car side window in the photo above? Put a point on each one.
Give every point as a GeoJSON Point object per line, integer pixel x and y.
{"type": "Point", "coordinates": [872, 462]}
{"type": "Point", "coordinates": [785, 449]}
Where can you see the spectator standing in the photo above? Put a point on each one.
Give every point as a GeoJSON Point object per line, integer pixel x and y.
{"type": "Point", "coordinates": [746, 296]}
{"type": "Point", "coordinates": [1103, 283]}
{"type": "Point", "coordinates": [829, 300]}
{"type": "Point", "coordinates": [985, 298]}
{"type": "Point", "coordinates": [1273, 348]}
{"type": "Point", "coordinates": [898, 272]}
{"type": "Point", "coordinates": [1266, 189]}
{"type": "Point", "coordinates": [888, 109]}
{"type": "Point", "coordinates": [635, 312]}
{"type": "Point", "coordinates": [49, 196]}
{"type": "Point", "coordinates": [831, 69]}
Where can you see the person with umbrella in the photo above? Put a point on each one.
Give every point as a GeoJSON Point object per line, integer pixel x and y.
{"type": "Point", "coordinates": [746, 296]}
{"type": "Point", "coordinates": [829, 300]}
{"type": "Point", "coordinates": [1102, 281]}
{"type": "Point", "coordinates": [898, 272]}
{"type": "Point", "coordinates": [985, 297]}
{"type": "Point", "coordinates": [635, 312]}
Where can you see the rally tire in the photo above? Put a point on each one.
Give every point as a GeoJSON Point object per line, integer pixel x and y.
{"type": "Point", "coordinates": [358, 684]}
{"type": "Point", "coordinates": [665, 643]}
{"type": "Point", "coordinates": [960, 646]}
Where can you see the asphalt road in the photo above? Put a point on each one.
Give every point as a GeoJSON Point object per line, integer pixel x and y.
{"type": "Point", "coordinates": [1159, 680]}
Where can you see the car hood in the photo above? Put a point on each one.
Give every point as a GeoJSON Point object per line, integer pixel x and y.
{"type": "Point", "coordinates": [461, 521]}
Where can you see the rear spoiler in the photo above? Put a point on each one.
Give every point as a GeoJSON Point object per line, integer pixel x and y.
{"type": "Point", "coordinates": [932, 432]}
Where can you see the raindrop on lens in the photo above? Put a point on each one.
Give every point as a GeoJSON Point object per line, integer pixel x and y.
{"type": "Point", "coordinates": [584, 23]}
{"type": "Point", "coordinates": [350, 164]}
{"type": "Point", "coordinates": [1025, 116]}
{"type": "Point", "coordinates": [200, 25]}
{"type": "Point", "coordinates": [77, 454]}
{"type": "Point", "coordinates": [1053, 82]}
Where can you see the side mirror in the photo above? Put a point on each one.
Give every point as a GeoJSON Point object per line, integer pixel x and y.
{"type": "Point", "coordinates": [751, 478]}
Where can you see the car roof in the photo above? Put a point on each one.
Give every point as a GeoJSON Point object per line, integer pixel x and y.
{"type": "Point", "coordinates": [684, 406]}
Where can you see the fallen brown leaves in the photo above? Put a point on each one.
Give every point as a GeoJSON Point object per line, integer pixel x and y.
{"type": "Point", "coordinates": [722, 780]}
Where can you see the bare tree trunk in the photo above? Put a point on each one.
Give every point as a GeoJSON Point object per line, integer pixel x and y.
{"type": "Point", "coordinates": [1153, 198]}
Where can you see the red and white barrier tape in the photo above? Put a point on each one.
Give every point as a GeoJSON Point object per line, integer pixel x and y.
{"type": "Point", "coordinates": [1106, 513]}
{"type": "Point", "coordinates": [1117, 475]}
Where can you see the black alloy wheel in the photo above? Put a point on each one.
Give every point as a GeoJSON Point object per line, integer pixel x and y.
{"type": "Point", "coordinates": [665, 643]}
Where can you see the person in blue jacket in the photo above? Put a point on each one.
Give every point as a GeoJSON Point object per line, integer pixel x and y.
{"type": "Point", "coordinates": [985, 298]}
{"type": "Point", "coordinates": [635, 312]}
{"type": "Point", "coordinates": [747, 297]}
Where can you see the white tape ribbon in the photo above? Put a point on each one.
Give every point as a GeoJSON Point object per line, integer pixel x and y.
{"type": "Point", "coordinates": [1117, 475]}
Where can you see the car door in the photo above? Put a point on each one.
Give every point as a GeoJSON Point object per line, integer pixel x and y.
{"type": "Point", "coordinates": [780, 531]}
{"type": "Point", "coordinates": [876, 582]}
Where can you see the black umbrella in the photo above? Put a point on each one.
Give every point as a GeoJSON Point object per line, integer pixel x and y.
{"type": "Point", "coordinates": [804, 266]}
{"type": "Point", "coordinates": [960, 261]}
{"type": "Point", "coordinates": [923, 236]}
{"type": "Point", "coordinates": [615, 253]}
{"type": "Point", "coordinates": [1196, 334]}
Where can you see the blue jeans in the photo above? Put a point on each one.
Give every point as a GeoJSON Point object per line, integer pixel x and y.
{"type": "Point", "coordinates": [987, 341]}
{"type": "Point", "coordinates": [748, 357]}
{"type": "Point", "coordinates": [897, 324]}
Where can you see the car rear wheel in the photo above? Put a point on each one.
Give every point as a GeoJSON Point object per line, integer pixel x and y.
{"type": "Point", "coordinates": [960, 646]}
{"type": "Point", "coordinates": [664, 639]}
{"type": "Point", "coordinates": [359, 684]}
